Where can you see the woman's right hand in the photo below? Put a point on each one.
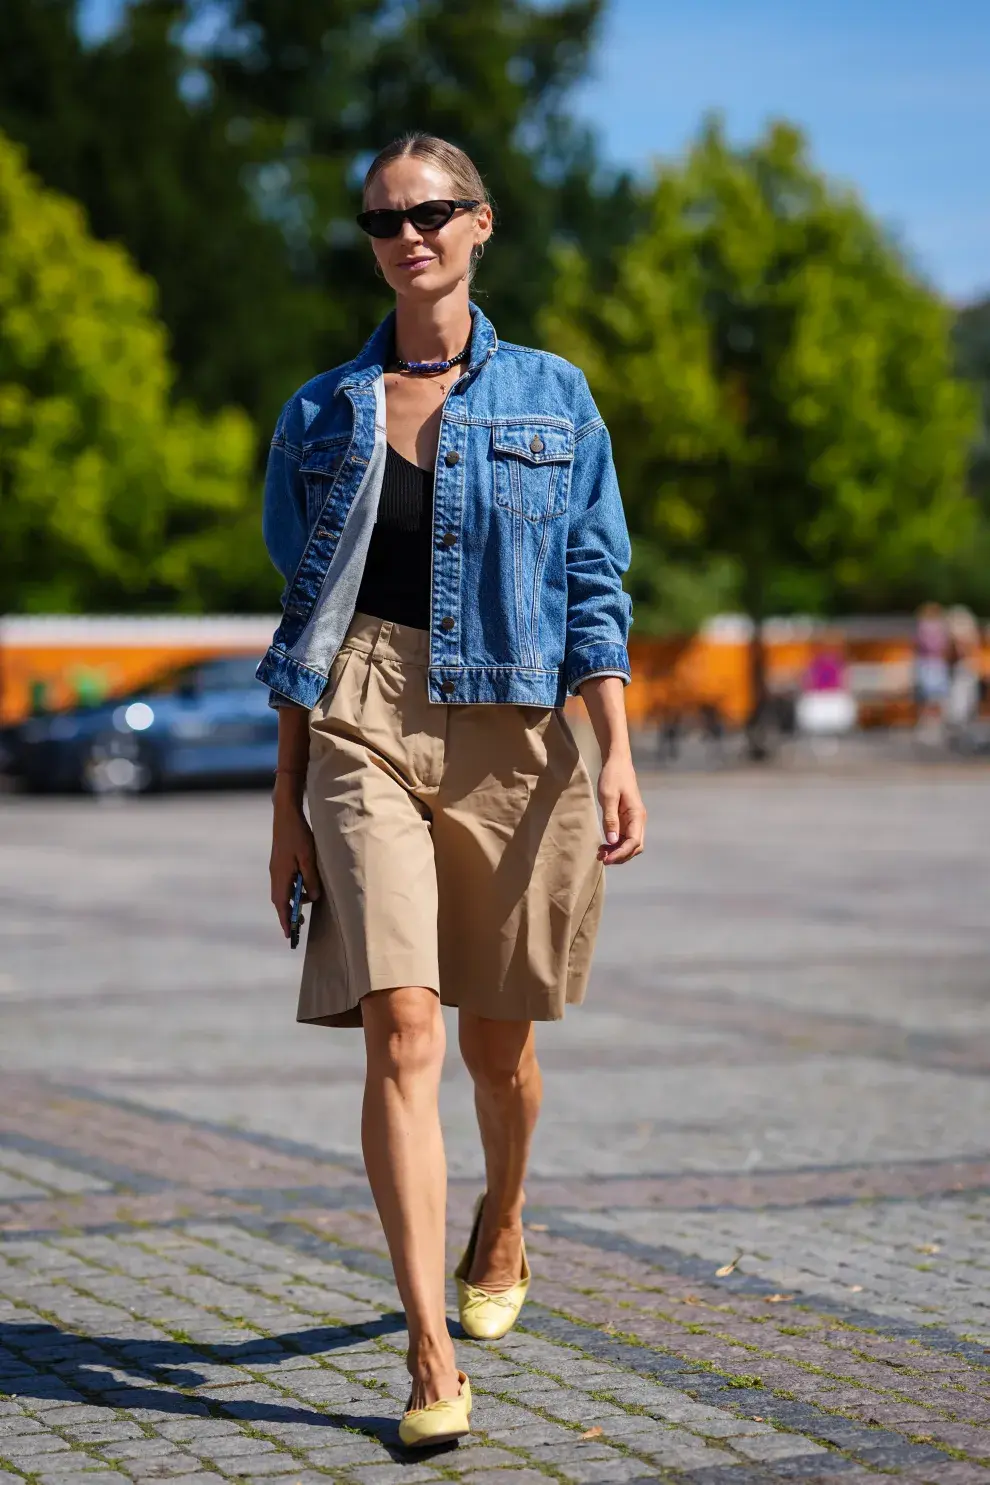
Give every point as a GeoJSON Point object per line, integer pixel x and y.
{"type": "Point", "coordinates": [292, 850]}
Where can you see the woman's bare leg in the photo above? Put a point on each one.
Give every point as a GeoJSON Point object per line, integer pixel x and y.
{"type": "Point", "coordinates": [508, 1091]}
{"type": "Point", "coordinates": [404, 1157]}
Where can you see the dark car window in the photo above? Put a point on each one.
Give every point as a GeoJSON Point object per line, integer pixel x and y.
{"type": "Point", "coordinates": [226, 673]}
{"type": "Point", "coordinates": [233, 673]}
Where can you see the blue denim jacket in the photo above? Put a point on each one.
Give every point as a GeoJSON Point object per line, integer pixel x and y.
{"type": "Point", "coordinates": [530, 539]}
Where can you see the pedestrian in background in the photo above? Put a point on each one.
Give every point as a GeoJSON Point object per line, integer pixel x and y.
{"type": "Point", "coordinates": [445, 513]}
{"type": "Point", "coordinates": [826, 707]}
{"type": "Point", "coordinates": [963, 698]}
{"type": "Point", "coordinates": [931, 670]}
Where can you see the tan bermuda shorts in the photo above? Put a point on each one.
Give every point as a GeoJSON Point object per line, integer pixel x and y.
{"type": "Point", "coordinates": [457, 845]}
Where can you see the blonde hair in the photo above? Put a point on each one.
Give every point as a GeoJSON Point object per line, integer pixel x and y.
{"type": "Point", "coordinates": [450, 158]}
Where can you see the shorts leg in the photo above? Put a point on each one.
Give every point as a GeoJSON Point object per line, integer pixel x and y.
{"type": "Point", "coordinates": [516, 838]}
{"type": "Point", "coordinates": [375, 927]}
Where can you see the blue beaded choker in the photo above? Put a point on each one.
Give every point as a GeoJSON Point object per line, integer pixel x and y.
{"type": "Point", "coordinates": [427, 368]}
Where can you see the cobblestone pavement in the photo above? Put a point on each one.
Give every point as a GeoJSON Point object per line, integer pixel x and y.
{"type": "Point", "coordinates": [759, 1214]}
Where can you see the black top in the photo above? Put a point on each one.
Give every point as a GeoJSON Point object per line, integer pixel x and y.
{"type": "Point", "coordinates": [397, 572]}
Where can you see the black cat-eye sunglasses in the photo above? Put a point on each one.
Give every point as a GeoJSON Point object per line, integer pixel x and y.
{"type": "Point", "coordinates": [428, 216]}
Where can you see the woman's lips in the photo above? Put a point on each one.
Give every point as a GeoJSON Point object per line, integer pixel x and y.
{"type": "Point", "coordinates": [410, 265]}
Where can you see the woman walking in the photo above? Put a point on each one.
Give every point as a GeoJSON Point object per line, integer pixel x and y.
{"type": "Point", "coordinates": [445, 513]}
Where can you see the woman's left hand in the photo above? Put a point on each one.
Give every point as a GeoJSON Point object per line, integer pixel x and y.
{"type": "Point", "coordinates": [623, 812]}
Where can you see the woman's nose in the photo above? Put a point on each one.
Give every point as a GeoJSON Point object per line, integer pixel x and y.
{"type": "Point", "coordinates": [410, 234]}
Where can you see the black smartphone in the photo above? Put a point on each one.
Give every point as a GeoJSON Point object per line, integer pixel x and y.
{"type": "Point", "coordinates": [295, 917]}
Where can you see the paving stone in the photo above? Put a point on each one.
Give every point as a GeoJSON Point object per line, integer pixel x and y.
{"type": "Point", "coordinates": [529, 1435]}
{"type": "Point", "coordinates": [196, 1477]}
{"type": "Point", "coordinates": [621, 1472]}
{"type": "Point", "coordinates": [185, 1430]}
{"type": "Point", "coordinates": [775, 1446]}
{"type": "Point", "coordinates": [680, 1453]}
{"type": "Point", "coordinates": [233, 1447]}
{"type": "Point", "coordinates": [298, 1476]}
{"type": "Point", "coordinates": [276, 1466]}
{"type": "Point", "coordinates": [390, 1474]}
{"type": "Point", "coordinates": [142, 1450]}
{"type": "Point", "coordinates": [578, 1408]}
{"type": "Point", "coordinates": [112, 1431]}
{"type": "Point", "coordinates": [728, 1428]}
{"type": "Point", "coordinates": [17, 1425]}
{"type": "Point", "coordinates": [66, 1467]}
{"type": "Point", "coordinates": [519, 1476]}
{"type": "Point", "coordinates": [480, 1457]}
{"type": "Point", "coordinates": [74, 1413]}
{"type": "Point", "coordinates": [90, 1477]}
{"type": "Point", "coordinates": [341, 1456]}
{"type": "Point", "coordinates": [29, 1445]}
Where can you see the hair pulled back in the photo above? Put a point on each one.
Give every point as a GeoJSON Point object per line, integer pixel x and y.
{"type": "Point", "coordinates": [456, 164]}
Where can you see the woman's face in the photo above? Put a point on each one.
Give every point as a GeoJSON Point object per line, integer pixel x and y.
{"type": "Point", "coordinates": [422, 264]}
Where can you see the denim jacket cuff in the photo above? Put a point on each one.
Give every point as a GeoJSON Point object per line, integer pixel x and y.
{"type": "Point", "coordinates": [276, 701]}
{"type": "Point", "coordinates": [592, 660]}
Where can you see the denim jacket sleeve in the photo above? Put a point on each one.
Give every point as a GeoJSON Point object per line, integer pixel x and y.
{"type": "Point", "coordinates": [283, 522]}
{"type": "Point", "coordinates": [599, 612]}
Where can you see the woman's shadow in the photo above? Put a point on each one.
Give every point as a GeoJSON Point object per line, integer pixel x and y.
{"type": "Point", "coordinates": [58, 1364]}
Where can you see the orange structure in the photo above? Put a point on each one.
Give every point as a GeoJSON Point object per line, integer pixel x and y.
{"type": "Point", "coordinates": [47, 664]}
{"type": "Point", "coordinates": [50, 663]}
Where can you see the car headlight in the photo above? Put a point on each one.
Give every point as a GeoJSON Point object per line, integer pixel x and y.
{"type": "Point", "coordinates": [137, 717]}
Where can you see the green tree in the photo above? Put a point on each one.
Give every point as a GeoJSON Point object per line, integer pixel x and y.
{"type": "Point", "coordinates": [778, 382]}
{"type": "Point", "coordinates": [160, 167]}
{"type": "Point", "coordinates": [964, 576]}
{"type": "Point", "coordinates": [223, 145]}
{"type": "Point", "coordinates": [113, 495]}
{"type": "Point", "coordinates": [321, 88]}
{"type": "Point", "coordinates": [972, 339]}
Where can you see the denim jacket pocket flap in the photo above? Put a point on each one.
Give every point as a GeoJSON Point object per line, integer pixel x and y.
{"type": "Point", "coordinates": [323, 458]}
{"type": "Point", "coordinates": [532, 464]}
{"type": "Point", "coordinates": [537, 443]}
{"type": "Point", "coordinates": [318, 469]}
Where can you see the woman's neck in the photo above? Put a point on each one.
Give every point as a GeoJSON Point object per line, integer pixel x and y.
{"type": "Point", "coordinates": [432, 332]}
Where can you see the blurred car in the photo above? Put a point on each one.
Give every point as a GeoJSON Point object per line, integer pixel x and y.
{"type": "Point", "coordinates": [206, 721]}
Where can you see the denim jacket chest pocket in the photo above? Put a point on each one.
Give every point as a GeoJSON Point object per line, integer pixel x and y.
{"type": "Point", "coordinates": [318, 469]}
{"type": "Point", "coordinates": [532, 468]}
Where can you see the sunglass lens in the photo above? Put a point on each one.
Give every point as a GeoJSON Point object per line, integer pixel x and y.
{"type": "Point", "coordinates": [430, 215]}
{"type": "Point", "coordinates": [382, 223]}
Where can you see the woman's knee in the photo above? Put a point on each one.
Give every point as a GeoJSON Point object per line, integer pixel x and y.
{"type": "Point", "coordinates": [499, 1055]}
{"type": "Point", "coordinates": [404, 1031]}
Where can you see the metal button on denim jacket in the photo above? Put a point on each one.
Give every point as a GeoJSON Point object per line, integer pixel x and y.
{"type": "Point", "coordinates": [530, 540]}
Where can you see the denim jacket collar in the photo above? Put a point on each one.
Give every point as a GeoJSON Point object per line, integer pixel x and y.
{"type": "Point", "coordinates": [372, 359]}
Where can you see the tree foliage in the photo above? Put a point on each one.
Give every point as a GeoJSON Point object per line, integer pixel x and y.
{"type": "Point", "coordinates": [223, 145]}
{"type": "Point", "coordinates": [778, 383]}
{"type": "Point", "coordinates": [972, 339]}
{"type": "Point", "coordinates": [321, 88]}
{"type": "Point", "coordinates": [113, 495]}
{"type": "Point", "coordinates": [111, 126]}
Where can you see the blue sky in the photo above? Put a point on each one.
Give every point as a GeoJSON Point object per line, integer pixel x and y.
{"type": "Point", "coordinates": [894, 97]}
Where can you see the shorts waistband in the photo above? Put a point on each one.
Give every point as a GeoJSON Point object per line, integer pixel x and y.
{"type": "Point", "coordinates": [384, 640]}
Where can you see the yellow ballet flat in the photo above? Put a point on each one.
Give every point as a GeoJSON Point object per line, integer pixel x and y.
{"type": "Point", "coordinates": [485, 1316]}
{"type": "Point", "coordinates": [439, 1422]}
